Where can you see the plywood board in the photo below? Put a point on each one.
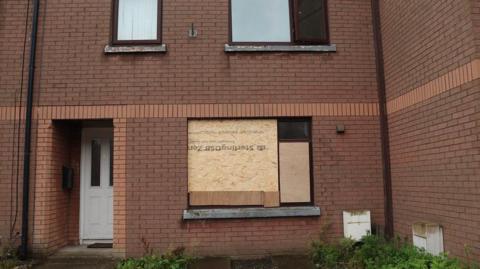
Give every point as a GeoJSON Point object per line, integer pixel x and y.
{"type": "Point", "coordinates": [232, 155]}
{"type": "Point", "coordinates": [271, 199]}
{"type": "Point", "coordinates": [234, 198]}
{"type": "Point", "coordinates": [231, 198]}
{"type": "Point", "coordinates": [295, 172]}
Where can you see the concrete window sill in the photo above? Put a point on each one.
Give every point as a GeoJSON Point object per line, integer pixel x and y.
{"type": "Point", "coordinates": [249, 213]}
{"type": "Point", "coordinates": [280, 48]}
{"type": "Point", "coordinates": [135, 49]}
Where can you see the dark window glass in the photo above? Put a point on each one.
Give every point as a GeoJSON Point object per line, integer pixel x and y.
{"type": "Point", "coordinates": [96, 158]}
{"type": "Point", "coordinates": [311, 22]}
{"type": "Point", "coordinates": [293, 130]}
{"type": "Point", "coordinates": [111, 163]}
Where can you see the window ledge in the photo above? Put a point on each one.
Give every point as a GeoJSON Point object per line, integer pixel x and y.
{"type": "Point", "coordinates": [280, 48]}
{"type": "Point", "coordinates": [135, 49]}
{"type": "Point", "coordinates": [248, 213]}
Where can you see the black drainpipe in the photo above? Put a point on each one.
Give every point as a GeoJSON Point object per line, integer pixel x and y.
{"type": "Point", "coordinates": [28, 132]}
{"type": "Point", "coordinates": [385, 137]}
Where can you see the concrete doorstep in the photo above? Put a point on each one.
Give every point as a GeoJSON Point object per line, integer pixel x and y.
{"type": "Point", "coordinates": [80, 257]}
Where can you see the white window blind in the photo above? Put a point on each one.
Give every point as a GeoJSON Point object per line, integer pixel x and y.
{"type": "Point", "coordinates": [137, 20]}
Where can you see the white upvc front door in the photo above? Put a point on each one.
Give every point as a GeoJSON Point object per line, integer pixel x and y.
{"type": "Point", "coordinates": [96, 191]}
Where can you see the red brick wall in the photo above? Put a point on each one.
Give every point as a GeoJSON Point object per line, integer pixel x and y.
{"type": "Point", "coordinates": [435, 167]}
{"type": "Point", "coordinates": [434, 132]}
{"type": "Point", "coordinates": [424, 40]}
{"type": "Point", "coordinates": [347, 176]}
{"type": "Point", "coordinates": [55, 210]}
{"type": "Point", "coordinates": [475, 11]}
{"type": "Point", "coordinates": [12, 33]}
{"type": "Point", "coordinates": [7, 180]}
{"type": "Point", "coordinates": [72, 69]}
{"type": "Point", "coordinates": [434, 143]}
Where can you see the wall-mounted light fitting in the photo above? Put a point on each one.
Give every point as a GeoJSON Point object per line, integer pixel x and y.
{"type": "Point", "coordinates": [340, 128]}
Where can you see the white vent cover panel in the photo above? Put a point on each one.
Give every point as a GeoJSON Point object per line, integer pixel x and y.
{"type": "Point", "coordinates": [429, 237]}
{"type": "Point", "coordinates": [356, 224]}
{"type": "Point", "coordinates": [420, 242]}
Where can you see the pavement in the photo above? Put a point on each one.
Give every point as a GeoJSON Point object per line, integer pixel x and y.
{"type": "Point", "coordinates": [80, 257]}
{"type": "Point", "coordinates": [83, 258]}
{"type": "Point", "coordinates": [76, 263]}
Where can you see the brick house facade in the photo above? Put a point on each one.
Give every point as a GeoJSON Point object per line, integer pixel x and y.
{"type": "Point", "coordinates": [148, 99]}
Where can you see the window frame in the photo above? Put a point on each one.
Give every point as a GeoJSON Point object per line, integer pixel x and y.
{"type": "Point", "coordinates": [311, 169]}
{"type": "Point", "coordinates": [114, 27]}
{"type": "Point", "coordinates": [293, 15]}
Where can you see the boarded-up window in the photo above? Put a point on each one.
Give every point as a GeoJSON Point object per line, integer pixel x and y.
{"type": "Point", "coordinates": [295, 172]}
{"type": "Point", "coordinates": [236, 157]}
{"type": "Point", "coordinates": [294, 152]}
{"type": "Point", "coordinates": [236, 162]}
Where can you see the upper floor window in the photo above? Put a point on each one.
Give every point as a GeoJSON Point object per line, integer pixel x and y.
{"type": "Point", "coordinates": [279, 21]}
{"type": "Point", "coordinates": [137, 22]}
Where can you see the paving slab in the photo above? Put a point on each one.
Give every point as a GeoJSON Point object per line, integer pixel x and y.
{"type": "Point", "coordinates": [211, 263]}
{"type": "Point", "coordinates": [275, 262]}
{"type": "Point", "coordinates": [77, 263]}
{"type": "Point", "coordinates": [265, 263]}
{"type": "Point", "coordinates": [80, 257]}
{"type": "Point", "coordinates": [292, 262]}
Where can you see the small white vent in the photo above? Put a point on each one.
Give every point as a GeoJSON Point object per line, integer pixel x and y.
{"type": "Point", "coordinates": [356, 224]}
{"type": "Point", "coordinates": [429, 237]}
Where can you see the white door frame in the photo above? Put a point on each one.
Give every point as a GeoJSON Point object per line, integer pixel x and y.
{"type": "Point", "coordinates": [88, 134]}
